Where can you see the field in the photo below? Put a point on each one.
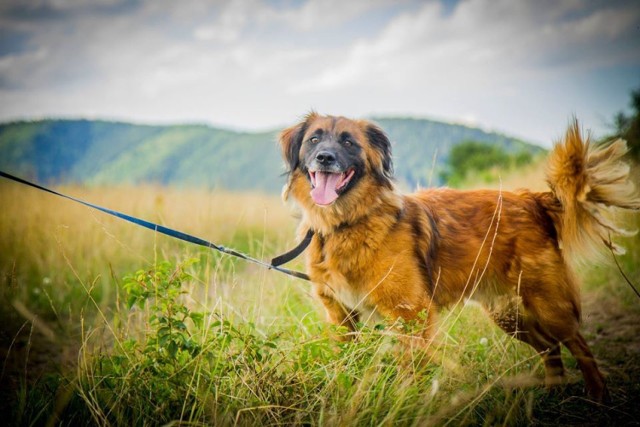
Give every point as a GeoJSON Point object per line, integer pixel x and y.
{"type": "Point", "coordinates": [107, 323]}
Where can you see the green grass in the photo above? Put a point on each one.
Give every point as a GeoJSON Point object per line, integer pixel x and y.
{"type": "Point", "coordinates": [110, 324]}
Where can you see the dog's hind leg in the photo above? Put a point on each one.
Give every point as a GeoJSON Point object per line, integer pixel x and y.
{"type": "Point", "coordinates": [565, 328]}
{"type": "Point", "coordinates": [511, 316]}
{"type": "Point", "coordinates": [558, 315]}
{"type": "Point", "coordinates": [594, 381]}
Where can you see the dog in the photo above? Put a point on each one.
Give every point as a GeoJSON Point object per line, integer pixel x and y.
{"type": "Point", "coordinates": [376, 252]}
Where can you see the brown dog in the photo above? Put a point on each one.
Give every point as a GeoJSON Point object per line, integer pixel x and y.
{"type": "Point", "coordinates": [377, 252]}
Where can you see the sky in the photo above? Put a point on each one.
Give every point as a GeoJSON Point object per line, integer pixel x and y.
{"type": "Point", "coordinates": [519, 67]}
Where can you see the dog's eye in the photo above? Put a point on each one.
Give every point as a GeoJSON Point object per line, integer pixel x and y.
{"type": "Point", "coordinates": [348, 142]}
{"type": "Point", "coordinates": [314, 140]}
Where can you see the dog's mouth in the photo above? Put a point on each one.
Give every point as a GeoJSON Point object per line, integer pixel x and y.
{"type": "Point", "coordinates": [327, 186]}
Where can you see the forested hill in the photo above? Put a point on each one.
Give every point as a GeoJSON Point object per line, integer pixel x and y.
{"type": "Point", "coordinates": [100, 152]}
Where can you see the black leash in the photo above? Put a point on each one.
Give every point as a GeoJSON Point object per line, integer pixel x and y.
{"type": "Point", "coordinates": [274, 265]}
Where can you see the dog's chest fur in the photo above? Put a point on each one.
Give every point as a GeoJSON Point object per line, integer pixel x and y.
{"type": "Point", "coordinates": [342, 259]}
{"type": "Point", "coordinates": [344, 262]}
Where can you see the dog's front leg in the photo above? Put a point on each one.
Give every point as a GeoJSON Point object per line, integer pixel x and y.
{"type": "Point", "coordinates": [337, 314]}
{"type": "Point", "coordinates": [414, 320]}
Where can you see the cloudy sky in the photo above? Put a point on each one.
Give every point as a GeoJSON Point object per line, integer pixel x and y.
{"type": "Point", "coordinates": [520, 67]}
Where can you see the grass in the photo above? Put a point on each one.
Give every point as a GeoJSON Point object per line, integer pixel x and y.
{"type": "Point", "coordinates": [110, 324]}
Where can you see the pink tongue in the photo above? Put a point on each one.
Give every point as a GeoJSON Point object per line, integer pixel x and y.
{"type": "Point", "coordinates": [324, 192]}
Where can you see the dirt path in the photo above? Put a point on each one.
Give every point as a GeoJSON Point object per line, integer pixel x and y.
{"type": "Point", "coordinates": [615, 336]}
{"type": "Point", "coordinates": [613, 332]}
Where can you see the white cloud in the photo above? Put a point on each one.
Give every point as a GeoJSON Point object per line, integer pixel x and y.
{"type": "Point", "coordinates": [316, 14]}
{"type": "Point", "coordinates": [523, 67]}
{"type": "Point", "coordinates": [498, 58]}
{"type": "Point", "coordinates": [230, 23]}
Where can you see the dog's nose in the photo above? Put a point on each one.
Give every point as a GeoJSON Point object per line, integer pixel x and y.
{"type": "Point", "coordinates": [325, 157]}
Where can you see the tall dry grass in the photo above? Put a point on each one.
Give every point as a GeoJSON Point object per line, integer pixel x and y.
{"type": "Point", "coordinates": [49, 244]}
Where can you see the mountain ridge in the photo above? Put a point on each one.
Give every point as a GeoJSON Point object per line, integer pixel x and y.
{"type": "Point", "coordinates": [105, 152]}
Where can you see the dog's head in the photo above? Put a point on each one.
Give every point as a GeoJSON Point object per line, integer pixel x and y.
{"type": "Point", "coordinates": [336, 155]}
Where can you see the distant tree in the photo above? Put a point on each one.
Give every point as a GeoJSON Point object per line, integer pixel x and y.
{"type": "Point", "coordinates": [473, 156]}
{"type": "Point", "coordinates": [628, 127]}
{"type": "Point", "coordinates": [522, 158]}
{"type": "Point", "coordinates": [487, 160]}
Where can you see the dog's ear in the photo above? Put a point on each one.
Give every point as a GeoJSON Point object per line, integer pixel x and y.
{"type": "Point", "coordinates": [291, 141]}
{"type": "Point", "coordinates": [381, 143]}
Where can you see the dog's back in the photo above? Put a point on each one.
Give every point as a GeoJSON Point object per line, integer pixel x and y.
{"type": "Point", "coordinates": [487, 241]}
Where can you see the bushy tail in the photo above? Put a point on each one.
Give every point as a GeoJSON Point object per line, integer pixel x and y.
{"type": "Point", "coordinates": [587, 180]}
